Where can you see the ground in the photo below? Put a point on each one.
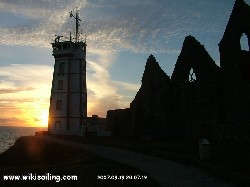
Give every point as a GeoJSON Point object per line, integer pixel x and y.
{"type": "Point", "coordinates": [153, 159]}
{"type": "Point", "coordinates": [32, 155]}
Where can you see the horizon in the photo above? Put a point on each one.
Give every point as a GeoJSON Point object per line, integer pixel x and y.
{"type": "Point", "coordinates": [39, 126]}
{"type": "Point", "coordinates": [120, 37]}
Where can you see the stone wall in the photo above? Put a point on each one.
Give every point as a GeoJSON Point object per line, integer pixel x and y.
{"type": "Point", "coordinates": [119, 123]}
{"type": "Point", "coordinates": [235, 65]}
{"type": "Point", "coordinates": [151, 109]}
{"type": "Point", "coordinates": [196, 99]}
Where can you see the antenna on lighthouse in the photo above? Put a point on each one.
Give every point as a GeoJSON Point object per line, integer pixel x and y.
{"type": "Point", "coordinates": [76, 17]}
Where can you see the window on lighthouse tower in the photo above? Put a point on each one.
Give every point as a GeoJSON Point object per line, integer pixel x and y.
{"type": "Point", "coordinates": [61, 68]}
{"type": "Point", "coordinates": [59, 105]}
{"type": "Point", "coordinates": [57, 125]}
{"type": "Point", "coordinates": [60, 85]}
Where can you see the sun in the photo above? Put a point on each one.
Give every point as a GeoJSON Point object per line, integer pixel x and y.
{"type": "Point", "coordinates": [43, 118]}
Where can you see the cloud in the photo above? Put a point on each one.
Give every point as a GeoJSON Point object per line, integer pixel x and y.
{"type": "Point", "coordinates": [127, 86]}
{"type": "Point", "coordinates": [26, 87]}
{"type": "Point", "coordinates": [13, 90]}
{"type": "Point", "coordinates": [111, 26]}
{"type": "Point", "coordinates": [27, 75]}
{"type": "Point", "coordinates": [152, 26]}
{"type": "Point", "coordinates": [103, 92]}
{"type": "Point", "coordinates": [49, 20]}
{"type": "Point", "coordinates": [25, 82]}
{"type": "Point", "coordinates": [12, 122]}
{"type": "Point", "coordinates": [24, 92]}
{"type": "Point", "coordinates": [148, 27]}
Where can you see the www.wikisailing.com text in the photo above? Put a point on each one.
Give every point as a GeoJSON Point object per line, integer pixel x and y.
{"type": "Point", "coordinates": [35, 177]}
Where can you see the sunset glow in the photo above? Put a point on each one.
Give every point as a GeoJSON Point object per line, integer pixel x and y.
{"type": "Point", "coordinates": [25, 96]}
{"type": "Point", "coordinates": [44, 118]}
{"type": "Point", "coordinates": [120, 36]}
{"type": "Point", "coordinates": [35, 113]}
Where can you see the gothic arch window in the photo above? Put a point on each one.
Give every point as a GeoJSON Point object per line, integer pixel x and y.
{"type": "Point", "coordinates": [193, 95]}
{"type": "Point", "coordinates": [244, 42]}
{"type": "Point", "coordinates": [192, 76]}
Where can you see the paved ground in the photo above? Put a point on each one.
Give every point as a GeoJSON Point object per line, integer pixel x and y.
{"type": "Point", "coordinates": [165, 172]}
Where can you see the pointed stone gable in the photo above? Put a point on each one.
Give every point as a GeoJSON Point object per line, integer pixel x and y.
{"type": "Point", "coordinates": [153, 74]}
{"type": "Point", "coordinates": [235, 66]}
{"type": "Point", "coordinates": [193, 55]}
{"type": "Point", "coordinates": [195, 99]}
{"type": "Point", "coordinates": [150, 108]}
{"type": "Point", "coordinates": [233, 60]}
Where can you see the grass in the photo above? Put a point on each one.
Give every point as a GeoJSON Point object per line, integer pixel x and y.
{"type": "Point", "coordinates": [230, 162]}
{"type": "Point", "coordinates": [31, 155]}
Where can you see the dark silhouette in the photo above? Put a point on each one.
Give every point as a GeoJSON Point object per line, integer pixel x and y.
{"type": "Point", "coordinates": [201, 99]}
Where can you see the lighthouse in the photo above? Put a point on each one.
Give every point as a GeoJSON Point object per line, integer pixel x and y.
{"type": "Point", "coordinates": [68, 100]}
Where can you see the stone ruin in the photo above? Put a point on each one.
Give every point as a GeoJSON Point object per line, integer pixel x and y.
{"type": "Point", "coordinates": [201, 99]}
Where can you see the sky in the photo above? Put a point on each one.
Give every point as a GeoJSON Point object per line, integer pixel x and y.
{"type": "Point", "coordinates": [120, 36]}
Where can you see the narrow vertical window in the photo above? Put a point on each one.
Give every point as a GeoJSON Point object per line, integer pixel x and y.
{"type": "Point", "coordinates": [244, 42]}
{"type": "Point", "coordinates": [59, 105]}
{"type": "Point", "coordinates": [60, 85]}
{"type": "Point", "coordinates": [61, 68]}
{"type": "Point", "coordinates": [192, 75]}
{"type": "Point", "coordinates": [57, 125]}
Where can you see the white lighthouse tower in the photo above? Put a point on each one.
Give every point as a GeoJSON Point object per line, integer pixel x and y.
{"type": "Point", "coordinates": [68, 101]}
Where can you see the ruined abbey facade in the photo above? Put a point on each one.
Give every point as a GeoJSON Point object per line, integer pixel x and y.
{"type": "Point", "coordinates": [200, 99]}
